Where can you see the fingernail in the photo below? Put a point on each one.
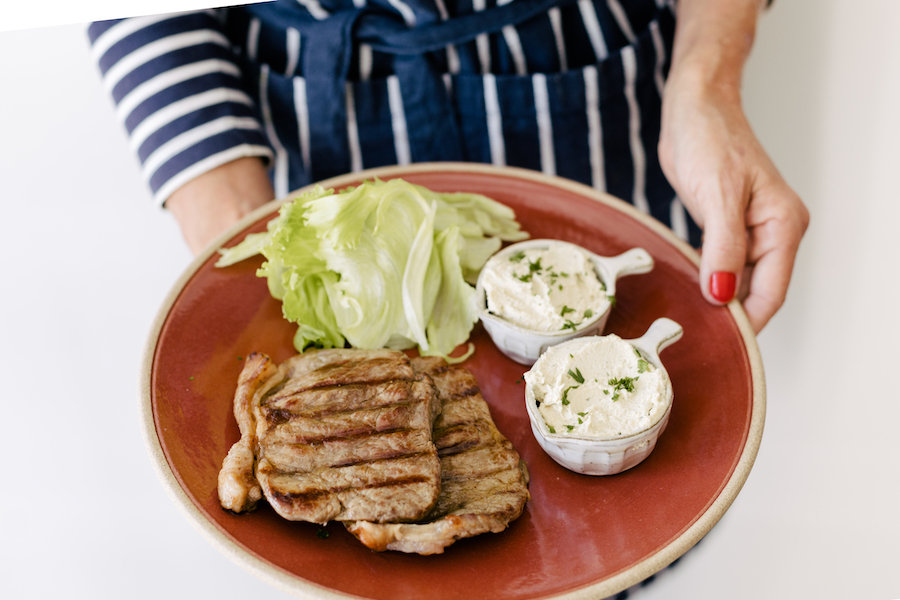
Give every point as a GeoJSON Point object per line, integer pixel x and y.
{"type": "Point", "coordinates": [721, 286]}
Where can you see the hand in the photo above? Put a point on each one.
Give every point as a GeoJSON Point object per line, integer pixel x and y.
{"type": "Point", "coordinates": [752, 220]}
{"type": "Point", "coordinates": [210, 204]}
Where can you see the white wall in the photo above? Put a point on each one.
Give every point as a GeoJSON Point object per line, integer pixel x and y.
{"type": "Point", "coordinates": [87, 261]}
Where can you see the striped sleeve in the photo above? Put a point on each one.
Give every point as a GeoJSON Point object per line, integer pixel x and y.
{"type": "Point", "coordinates": [179, 94]}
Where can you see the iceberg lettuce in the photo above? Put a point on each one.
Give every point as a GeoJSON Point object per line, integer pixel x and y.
{"type": "Point", "coordinates": [385, 264]}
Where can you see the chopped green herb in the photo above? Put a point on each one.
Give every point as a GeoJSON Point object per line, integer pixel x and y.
{"type": "Point", "coordinates": [565, 396]}
{"type": "Point", "coordinates": [643, 366]}
{"type": "Point", "coordinates": [580, 421]}
{"type": "Point", "coordinates": [625, 383]}
{"type": "Point", "coordinates": [565, 310]}
{"type": "Point", "coordinates": [588, 314]}
{"type": "Point", "coordinates": [240, 358]}
{"type": "Point", "coordinates": [606, 392]}
{"type": "Point", "coordinates": [534, 267]}
{"type": "Point", "coordinates": [560, 288]}
{"type": "Point", "coordinates": [525, 278]}
{"type": "Point", "coordinates": [577, 376]}
{"type": "Point", "coordinates": [321, 533]}
{"type": "Point", "coordinates": [612, 301]}
{"type": "Point", "coordinates": [564, 274]}
{"type": "Point", "coordinates": [570, 325]}
{"type": "Point", "coordinates": [550, 427]}
{"type": "Point", "coordinates": [517, 257]}
{"type": "Point", "coordinates": [570, 427]}
{"type": "Point", "coordinates": [191, 377]}
{"type": "Point", "coordinates": [582, 414]}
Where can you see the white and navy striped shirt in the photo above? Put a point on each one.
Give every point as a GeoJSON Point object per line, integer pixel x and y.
{"type": "Point", "coordinates": [322, 87]}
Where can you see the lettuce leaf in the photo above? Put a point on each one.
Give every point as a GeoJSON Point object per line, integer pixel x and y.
{"type": "Point", "coordinates": [455, 310]}
{"type": "Point", "coordinates": [384, 264]}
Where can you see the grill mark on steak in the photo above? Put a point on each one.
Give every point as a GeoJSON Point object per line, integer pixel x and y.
{"type": "Point", "coordinates": [312, 444]}
{"type": "Point", "coordinates": [379, 420]}
{"type": "Point", "coordinates": [291, 496]}
{"type": "Point", "coordinates": [472, 391]}
{"type": "Point", "coordinates": [313, 502]}
{"type": "Point", "coordinates": [340, 452]}
{"type": "Point", "coordinates": [451, 384]}
{"type": "Point", "coordinates": [483, 480]}
{"type": "Point", "coordinates": [362, 474]}
{"type": "Point", "coordinates": [394, 488]}
{"type": "Point", "coordinates": [430, 364]}
{"type": "Point", "coordinates": [344, 397]}
{"type": "Point", "coordinates": [346, 434]}
{"type": "Point", "coordinates": [475, 494]}
{"type": "Point", "coordinates": [349, 372]}
{"type": "Point", "coordinates": [306, 362]}
{"type": "Point", "coordinates": [319, 406]}
{"type": "Point", "coordinates": [461, 411]}
{"type": "Point", "coordinates": [280, 416]}
{"type": "Point", "coordinates": [461, 437]}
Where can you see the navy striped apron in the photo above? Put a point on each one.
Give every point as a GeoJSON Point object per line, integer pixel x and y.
{"type": "Point", "coordinates": [595, 120]}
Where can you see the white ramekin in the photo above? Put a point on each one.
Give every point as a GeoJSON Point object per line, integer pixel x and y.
{"type": "Point", "coordinates": [526, 345]}
{"type": "Point", "coordinates": [597, 456]}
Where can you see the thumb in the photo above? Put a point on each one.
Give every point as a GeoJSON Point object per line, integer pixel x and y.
{"type": "Point", "coordinates": [724, 255]}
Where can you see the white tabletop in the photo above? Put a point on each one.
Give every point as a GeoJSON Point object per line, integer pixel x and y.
{"type": "Point", "coordinates": [88, 260]}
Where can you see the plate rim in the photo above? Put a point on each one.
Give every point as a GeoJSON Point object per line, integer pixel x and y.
{"type": "Point", "coordinates": [302, 588]}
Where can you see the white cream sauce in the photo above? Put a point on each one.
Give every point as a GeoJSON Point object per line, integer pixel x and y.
{"type": "Point", "coordinates": [598, 387]}
{"type": "Point", "coordinates": [548, 290]}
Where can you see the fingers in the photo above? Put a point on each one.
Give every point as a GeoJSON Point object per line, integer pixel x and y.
{"type": "Point", "coordinates": [752, 221]}
{"type": "Point", "coordinates": [768, 287]}
{"type": "Point", "coordinates": [724, 252]}
{"type": "Point", "coordinates": [774, 243]}
{"type": "Point", "coordinates": [749, 254]}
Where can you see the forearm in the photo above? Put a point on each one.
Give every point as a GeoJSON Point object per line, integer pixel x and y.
{"type": "Point", "coordinates": [208, 205]}
{"type": "Point", "coordinates": [713, 39]}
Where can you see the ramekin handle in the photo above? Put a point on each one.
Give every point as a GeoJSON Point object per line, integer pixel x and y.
{"type": "Point", "coordinates": [661, 334]}
{"type": "Point", "coordinates": [631, 262]}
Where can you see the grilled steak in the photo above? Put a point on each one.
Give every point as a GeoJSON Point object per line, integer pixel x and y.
{"type": "Point", "coordinates": [338, 434]}
{"type": "Point", "coordinates": [484, 483]}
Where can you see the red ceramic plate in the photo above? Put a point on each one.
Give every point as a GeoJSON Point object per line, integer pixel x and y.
{"type": "Point", "coordinates": [580, 536]}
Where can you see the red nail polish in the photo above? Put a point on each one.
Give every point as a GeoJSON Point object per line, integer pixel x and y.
{"type": "Point", "coordinates": [721, 286]}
